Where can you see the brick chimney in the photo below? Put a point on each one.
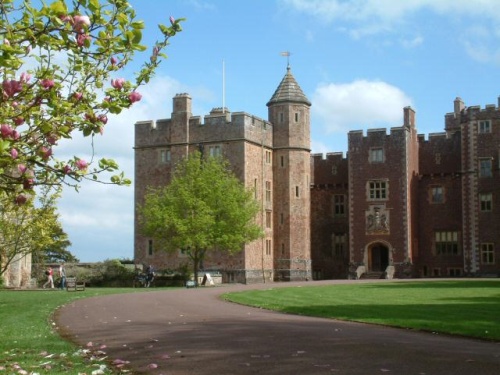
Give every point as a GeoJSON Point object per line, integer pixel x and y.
{"type": "Point", "coordinates": [409, 117]}
{"type": "Point", "coordinates": [458, 105]}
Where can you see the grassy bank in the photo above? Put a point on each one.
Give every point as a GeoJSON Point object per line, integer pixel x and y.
{"type": "Point", "coordinates": [467, 308]}
{"type": "Point", "coordinates": [30, 343]}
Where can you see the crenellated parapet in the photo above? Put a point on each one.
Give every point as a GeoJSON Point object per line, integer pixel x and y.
{"type": "Point", "coordinates": [463, 114]}
{"type": "Point", "coordinates": [439, 154]}
{"type": "Point", "coordinates": [220, 125]}
{"type": "Point", "coordinates": [329, 171]}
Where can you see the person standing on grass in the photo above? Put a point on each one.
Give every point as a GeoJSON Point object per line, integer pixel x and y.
{"type": "Point", "coordinates": [50, 278]}
{"type": "Point", "coordinates": [62, 275]}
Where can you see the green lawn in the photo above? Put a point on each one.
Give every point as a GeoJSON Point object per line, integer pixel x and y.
{"type": "Point", "coordinates": [29, 341]}
{"type": "Point", "coordinates": [468, 307]}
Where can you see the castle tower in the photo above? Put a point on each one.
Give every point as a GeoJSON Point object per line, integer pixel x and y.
{"type": "Point", "coordinates": [288, 111]}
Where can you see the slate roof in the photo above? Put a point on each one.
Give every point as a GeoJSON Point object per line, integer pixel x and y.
{"type": "Point", "coordinates": [289, 91]}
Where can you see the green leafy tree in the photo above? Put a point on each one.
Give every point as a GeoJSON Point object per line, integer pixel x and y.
{"type": "Point", "coordinates": [27, 229]}
{"type": "Point", "coordinates": [204, 208]}
{"type": "Point", "coordinates": [60, 66]}
{"type": "Point", "coordinates": [58, 251]}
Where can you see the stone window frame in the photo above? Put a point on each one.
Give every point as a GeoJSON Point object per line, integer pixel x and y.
{"type": "Point", "coordinates": [269, 157]}
{"type": "Point", "coordinates": [269, 219]}
{"type": "Point", "coordinates": [447, 242]}
{"type": "Point", "coordinates": [215, 151]}
{"type": "Point", "coordinates": [486, 202]}
{"type": "Point", "coordinates": [377, 190]}
{"type": "Point", "coordinates": [268, 246]}
{"type": "Point", "coordinates": [436, 197]}
{"type": "Point", "coordinates": [268, 191]}
{"type": "Point", "coordinates": [339, 205]}
{"type": "Point", "coordinates": [485, 167]}
{"type": "Point", "coordinates": [339, 245]}
{"type": "Point", "coordinates": [487, 253]}
{"type": "Point", "coordinates": [165, 156]}
{"type": "Point", "coordinates": [377, 155]}
{"type": "Point", "coordinates": [484, 127]}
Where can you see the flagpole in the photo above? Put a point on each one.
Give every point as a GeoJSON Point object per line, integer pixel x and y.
{"type": "Point", "coordinates": [223, 86]}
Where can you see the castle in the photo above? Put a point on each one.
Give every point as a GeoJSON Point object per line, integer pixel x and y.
{"type": "Point", "coordinates": [397, 205]}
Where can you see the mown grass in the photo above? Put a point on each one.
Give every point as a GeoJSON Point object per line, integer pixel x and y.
{"type": "Point", "coordinates": [467, 308]}
{"type": "Point", "coordinates": [30, 344]}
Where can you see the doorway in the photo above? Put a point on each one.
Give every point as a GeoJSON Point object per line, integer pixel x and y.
{"type": "Point", "coordinates": [378, 257]}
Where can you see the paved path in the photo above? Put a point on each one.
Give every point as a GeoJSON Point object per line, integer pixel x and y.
{"type": "Point", "coordinates": [191, 332]}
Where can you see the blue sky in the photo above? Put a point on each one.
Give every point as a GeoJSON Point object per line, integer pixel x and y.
{"type": "Point", "coordinates": [358, 61]}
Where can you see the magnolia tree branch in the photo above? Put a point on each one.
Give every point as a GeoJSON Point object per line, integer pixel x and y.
{"type": "Point", "coordinates": [68, 86]}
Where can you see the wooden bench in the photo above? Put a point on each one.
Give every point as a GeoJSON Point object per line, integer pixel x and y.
{"type": "Point", "coordinates": [72, 284]}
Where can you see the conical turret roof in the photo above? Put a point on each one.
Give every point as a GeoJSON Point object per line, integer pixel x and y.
{"type": "Point", "coordinates": [289, 91]}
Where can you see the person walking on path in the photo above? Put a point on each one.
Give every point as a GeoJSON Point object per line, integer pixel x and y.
{"type": "Point", "coordinates": [62, 275]}
{"type": "Point", "coordinates": [50, 278]}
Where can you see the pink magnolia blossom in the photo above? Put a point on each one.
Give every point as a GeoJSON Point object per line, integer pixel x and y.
{"type": "Point", "coordinates": [14, 153]}
{"type": "Point", "coordinates": [45, 152]}
{"type": "Point", "coordinates": [25, 77]}
{"type": "Point", "coordinates": [19, 120]}
{"type": "Point", "coordinates": [77, 96]}
{"type": "Point", "coordinates": [21, 199]}
{"type": "Point", "coordinates": [81, 38]}
{"type": "Point", "coordinates": [22, 168]}
{"type": "Point", "coordinates": [80, 21]}
{"type": "Point", "coordinates": [172, 20]}
{"type": "Point", "coordinates": [113, 60]}
{"type": "Point", "coordinates": [52, 139]}
{"type": "Point", "coordinates": [15, 135]}
{"type": "Point", "coordinates": [6, 131]}
{"type": "Point", "coordinates": [66, 18]}
{"type": "Point", "coordinates": [6, 42]}
{"type": "Point", "coordinates": [11, 87]}
{"type": "Point", "coordinates": [81, 164]}
{"type": "Point", "coordinates": [66, 169]}
{"type": "Point", "coordinates": [118, 83]}
{"type": "Point", "coordinates": [28, 183]}
{"type": "Point", "coordinates": [156, 51]}
{"type": "Point", "coordinates": [134, 96]}
{"type": "Point", "coordinates": [47, 84]}
{"type": "Point", "coordinates": [103, 119]}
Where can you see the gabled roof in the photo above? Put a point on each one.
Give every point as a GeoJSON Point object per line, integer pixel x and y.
{"type": "Point", "coordinates": [289, 91]}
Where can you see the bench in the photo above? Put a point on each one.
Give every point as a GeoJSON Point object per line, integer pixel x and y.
{"type": "Point", "coordinates": [72, 284]}
{"type": "Point", "coordinates": [190, 284]}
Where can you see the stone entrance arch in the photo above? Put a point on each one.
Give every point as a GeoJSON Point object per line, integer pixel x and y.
{"type": "Point", "coordinates": [379, 256]}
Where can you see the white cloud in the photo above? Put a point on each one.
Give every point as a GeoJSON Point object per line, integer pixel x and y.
{"type": "Point", "coordinates": [390, 11]}
{"type": "Point", "coordinates": [362, 18]}
{"type": "Point", "coordinates": [412, 43]}
{"type": "Point", "coordinates": [358, 105]}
